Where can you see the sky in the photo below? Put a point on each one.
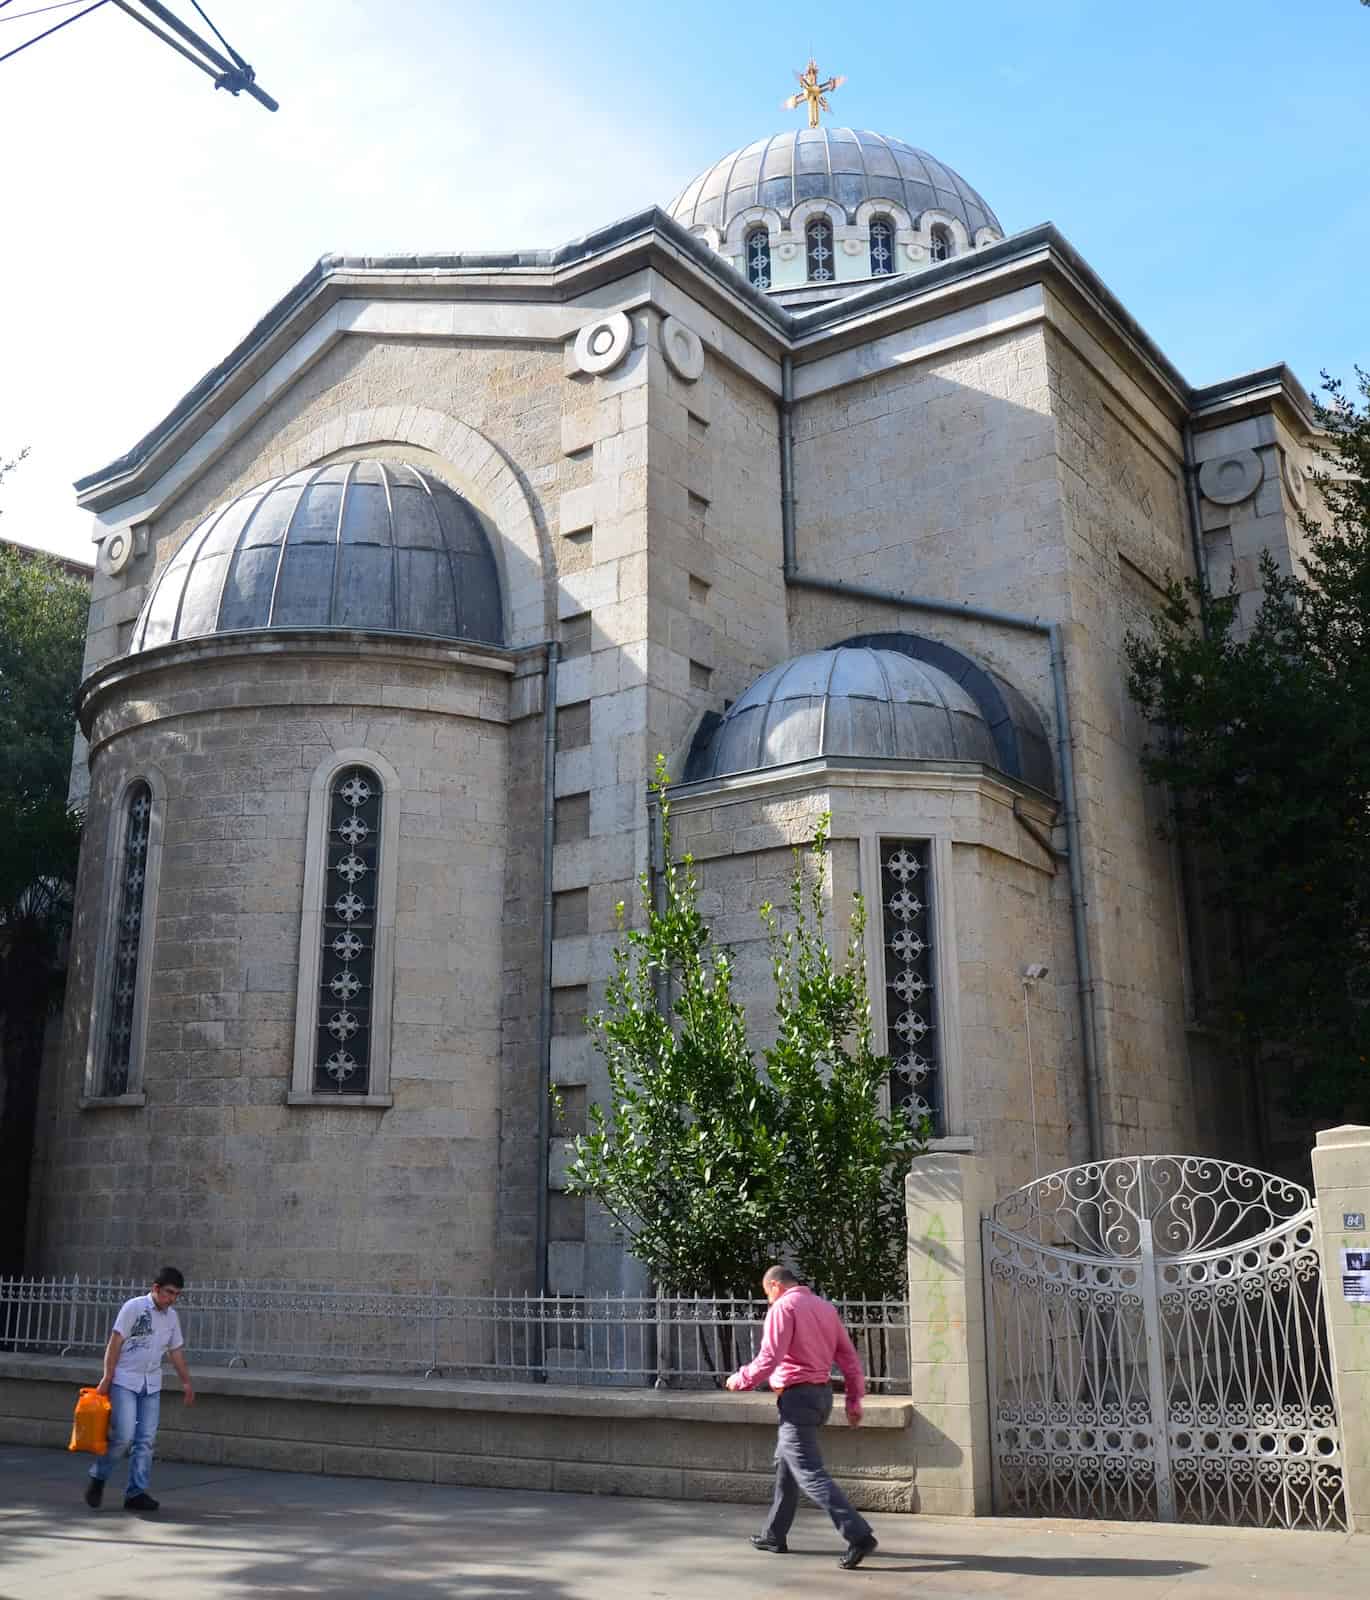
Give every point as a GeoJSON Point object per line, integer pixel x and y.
{"type": "Point", "coordinates": [1209, 159]}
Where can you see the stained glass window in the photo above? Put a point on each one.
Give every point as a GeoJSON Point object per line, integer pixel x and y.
{"type": "Point", "coordinates": [910, 998]}
{"type": "Point", "coordinates": [128, 940]}
{"type": "Point", "coordinates": [759, 258]}
{"type": "Point", "coordinates": [941, 243]}
{"type": "Point", "coordinates": [882, 247]}
{"type": "Point", "coordinates": [347, 970]}
{"type": "Point", "coordinates": [818, 241]}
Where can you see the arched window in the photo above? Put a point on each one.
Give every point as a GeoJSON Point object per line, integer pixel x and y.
{"type": "Point", "coordinates": [342, 1018]}
{"type": "Point", "coordinates": [882, 247]}
{"type": "Point", "coordinates": [759, 257]}
{"type": "Point", "coordinates": [941, 243]}
{"type": "Point", "coordinates": [913, 1037]}
{"type": "Point", "coordinates": [128, 941]}
{"type": "Point", "coordinates": [818, 250]}
{"type": "Point", "coordinates": [114, 1054]}
{"type": "Point", "coordinates": [348, 969]}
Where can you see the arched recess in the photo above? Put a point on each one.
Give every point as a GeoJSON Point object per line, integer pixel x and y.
{"type": "Point", "coordinates": [116, 888]}
{"type": "Point", "coordinates": [302, 1090]}
{"type": "Point", "coordinates": [476, 469]}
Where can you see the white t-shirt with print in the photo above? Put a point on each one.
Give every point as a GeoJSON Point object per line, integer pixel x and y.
{"type": "Point", "coordinates": [148, 1335]}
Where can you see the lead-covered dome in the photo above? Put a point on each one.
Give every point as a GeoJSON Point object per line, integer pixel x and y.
{"type": "Point", "coordinates": [885, 697]}
{"type": "Point", "coordinates": [848, 165]}
{"type": "Point", "coordinates": [373, 545]}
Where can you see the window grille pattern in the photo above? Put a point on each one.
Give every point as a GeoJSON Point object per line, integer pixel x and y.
{"type": "Point", "coordinates": [818, 242]}
{"type": "Point", "coordinates": [941, 244]}
{"type": "Point", "coordinates": [347, 971]}
{"type": "Point", "coordinates": [128, 940]}
{"type": "Point", "coordinates": [759, 258]}
{"type": "Point", "coordinates": [882, 247]}
{"type": "Point", "coordinates": [910, 1001]}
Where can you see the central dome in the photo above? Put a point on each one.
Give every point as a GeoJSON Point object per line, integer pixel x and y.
{"type": "Point", "coordinates": [848, 165]}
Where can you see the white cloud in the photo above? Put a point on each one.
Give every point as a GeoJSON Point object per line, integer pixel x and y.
{"type": "Point", "coordinates": [153, 219]}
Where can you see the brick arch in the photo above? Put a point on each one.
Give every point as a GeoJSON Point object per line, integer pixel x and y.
{"type": "Point", "coordinates": [477, 469]}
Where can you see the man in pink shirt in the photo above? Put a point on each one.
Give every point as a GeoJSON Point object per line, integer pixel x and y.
{"type": "Point", "coordinates": [802, 1339]}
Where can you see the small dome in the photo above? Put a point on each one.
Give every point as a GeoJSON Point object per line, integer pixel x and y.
{"type": "Point", "coordinates": [372, 545]}
{"type": "Point", "coordinates": [849, 165]}
{"type": "Point", "coordinates": [863, 703]}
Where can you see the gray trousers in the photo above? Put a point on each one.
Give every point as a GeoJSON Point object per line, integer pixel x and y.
{"type": "Point", "coordinates": [804, 1408]}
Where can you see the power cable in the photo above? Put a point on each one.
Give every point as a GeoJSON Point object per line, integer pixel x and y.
{"type": "Point", "coordinates": [62, 5]}
{"type": "Point", "coordinates": [227, 46]}
{"type": "Point", "coordinates": [57, 27]}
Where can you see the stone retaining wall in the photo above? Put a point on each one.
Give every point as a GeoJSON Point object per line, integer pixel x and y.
{"type": "Point", "coordinates": [504, 1436]}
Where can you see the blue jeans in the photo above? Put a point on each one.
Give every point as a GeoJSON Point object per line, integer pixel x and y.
{"type": "Point", "coordinates": [133, 1422]}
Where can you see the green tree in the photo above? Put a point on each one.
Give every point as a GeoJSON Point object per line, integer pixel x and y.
{"type": "Point", "coordinates": [42, 634]}
{"type": "Point", "coordinates": [684, 1157]}
{"type": "Point", "coordinates": [1264, 743]}
{"type": "Point", "coordinates": [711, 1165]}
{"type": "Point", "coordinates": [844, 1159]}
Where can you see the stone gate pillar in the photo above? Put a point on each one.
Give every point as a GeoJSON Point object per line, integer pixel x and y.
{"type": "Point", "coordinates": [945, 1196]}
{"type": "Point", "coordinates": [1341, 1177]}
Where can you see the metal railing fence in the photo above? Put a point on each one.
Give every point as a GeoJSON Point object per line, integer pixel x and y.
{"type": "Point", "coordinates": [671, 1341]}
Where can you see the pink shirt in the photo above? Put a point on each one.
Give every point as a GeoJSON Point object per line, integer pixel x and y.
{"type": "Point", "coordinates": [801, 1340]}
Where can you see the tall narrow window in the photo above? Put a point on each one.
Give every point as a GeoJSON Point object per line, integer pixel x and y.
{"type": "Point", "coordinates": [347, 970]}
{"type": "Point", "coordinates": [882, 247]}
{"type": "Point", "coordinates": [910, 1001]}
{"type": "Point", "coordinates": [759, 257]}
{"type": "Point", "coordinates": [818, 247]}
{"type": "Point", "coordinates": [132, 876]}
{"type": "Point", "coordinates": [941, 243]}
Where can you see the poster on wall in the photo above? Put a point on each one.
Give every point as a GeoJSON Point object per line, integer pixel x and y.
{"type": "Point", "coordinates": [1355, 1276]}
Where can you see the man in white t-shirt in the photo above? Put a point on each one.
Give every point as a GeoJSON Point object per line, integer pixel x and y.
{"type": "Point", "coordinates": [146, 1329]}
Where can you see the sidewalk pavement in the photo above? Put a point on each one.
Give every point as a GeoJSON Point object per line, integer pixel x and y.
{"type": "Point", "coordinates": [227, 1532]}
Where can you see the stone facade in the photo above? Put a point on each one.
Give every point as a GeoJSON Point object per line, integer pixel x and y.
{"type": "Point", "coordinates": [994, 433]}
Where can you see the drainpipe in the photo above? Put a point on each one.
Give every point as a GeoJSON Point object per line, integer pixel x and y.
{"type": "Point", "coordinates": [549, 756]}
{"type": "Point", "coordinates": [1051, 632]}
{"type": "Point", "coordinates": [1191, 497]}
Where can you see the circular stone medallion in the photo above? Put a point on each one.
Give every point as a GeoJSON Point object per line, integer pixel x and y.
{"type": "Point", "coordinates": [602, 344]}
{"type": "Point", "coordinates": [1229, 479]}
{"type": "Point", "coordinates": [117, 551]}
{"type": "Point", "coordinates": [1296, 480]}
{"type": "Point", "coordinates": [683, 349]}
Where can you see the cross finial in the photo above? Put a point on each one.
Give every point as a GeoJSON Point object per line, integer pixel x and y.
{"type": "Point", "coordinates": [813, 92]}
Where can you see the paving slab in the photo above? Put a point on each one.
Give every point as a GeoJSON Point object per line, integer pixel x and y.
{"type": "Point", "coordinates": [227, 1532]}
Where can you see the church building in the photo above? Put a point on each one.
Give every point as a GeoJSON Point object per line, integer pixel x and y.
{"type": "Point", "coordinates": [820, 482]}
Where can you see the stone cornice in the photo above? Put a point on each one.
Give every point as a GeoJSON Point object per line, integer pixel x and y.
{"type": "Point", "coordinates": [859, 772]}
{"type": "Point", "coordinates": [301, 644]}
{"type": "Point", "coordinates": [539, 291]}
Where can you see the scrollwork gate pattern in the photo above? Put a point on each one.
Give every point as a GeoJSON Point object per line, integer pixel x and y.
{"type": "Point", "coordinates": [1157, 1348]}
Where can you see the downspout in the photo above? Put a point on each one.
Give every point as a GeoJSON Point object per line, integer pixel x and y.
{"type": "Point", "coordinates": [1055, 641]}
{"type": "Point", "coordinates": [549, 757]}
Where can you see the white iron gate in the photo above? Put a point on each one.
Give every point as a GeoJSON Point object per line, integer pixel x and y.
{"type": "Point", "coordinates": [1157, 1348]}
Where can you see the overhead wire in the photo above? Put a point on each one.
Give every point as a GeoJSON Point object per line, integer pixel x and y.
{"type": "Point", "coordinates": [47, 33]}
{"type": "Point", "coordinates": [229, 72]}
{"type": "Point", "coordinates": [61, 5]}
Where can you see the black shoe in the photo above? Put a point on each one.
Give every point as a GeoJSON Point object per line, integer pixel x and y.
{"type": "Point", "coordinates": [95, 1493]}
{"type": "Point", "coordinates": [145, 1502]}
{"type": "Point", "coordinates": [857, 1553]}
{"type": "Point", "coordinates": [763, 1541]}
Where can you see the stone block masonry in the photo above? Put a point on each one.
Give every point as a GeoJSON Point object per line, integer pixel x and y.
{"type": "Point", "coordinates": [491, 1435]}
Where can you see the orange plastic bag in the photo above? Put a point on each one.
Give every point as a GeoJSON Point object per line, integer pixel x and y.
{"type": "Point", "coordinates": [90, 1425]}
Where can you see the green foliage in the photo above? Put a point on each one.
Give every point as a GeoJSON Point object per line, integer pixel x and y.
{"type": "Point", "coordinates": [1266, 750]}
{"type": "Point", "coordinates": [842, 1176]}
{"type": "Point", "coordinates": [42, 637]}
{"type": "Point", "coordinates": [712, 1167]}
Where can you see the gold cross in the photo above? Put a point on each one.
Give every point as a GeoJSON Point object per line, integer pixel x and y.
{"type": "Point", "coordinates": [812, 91]}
